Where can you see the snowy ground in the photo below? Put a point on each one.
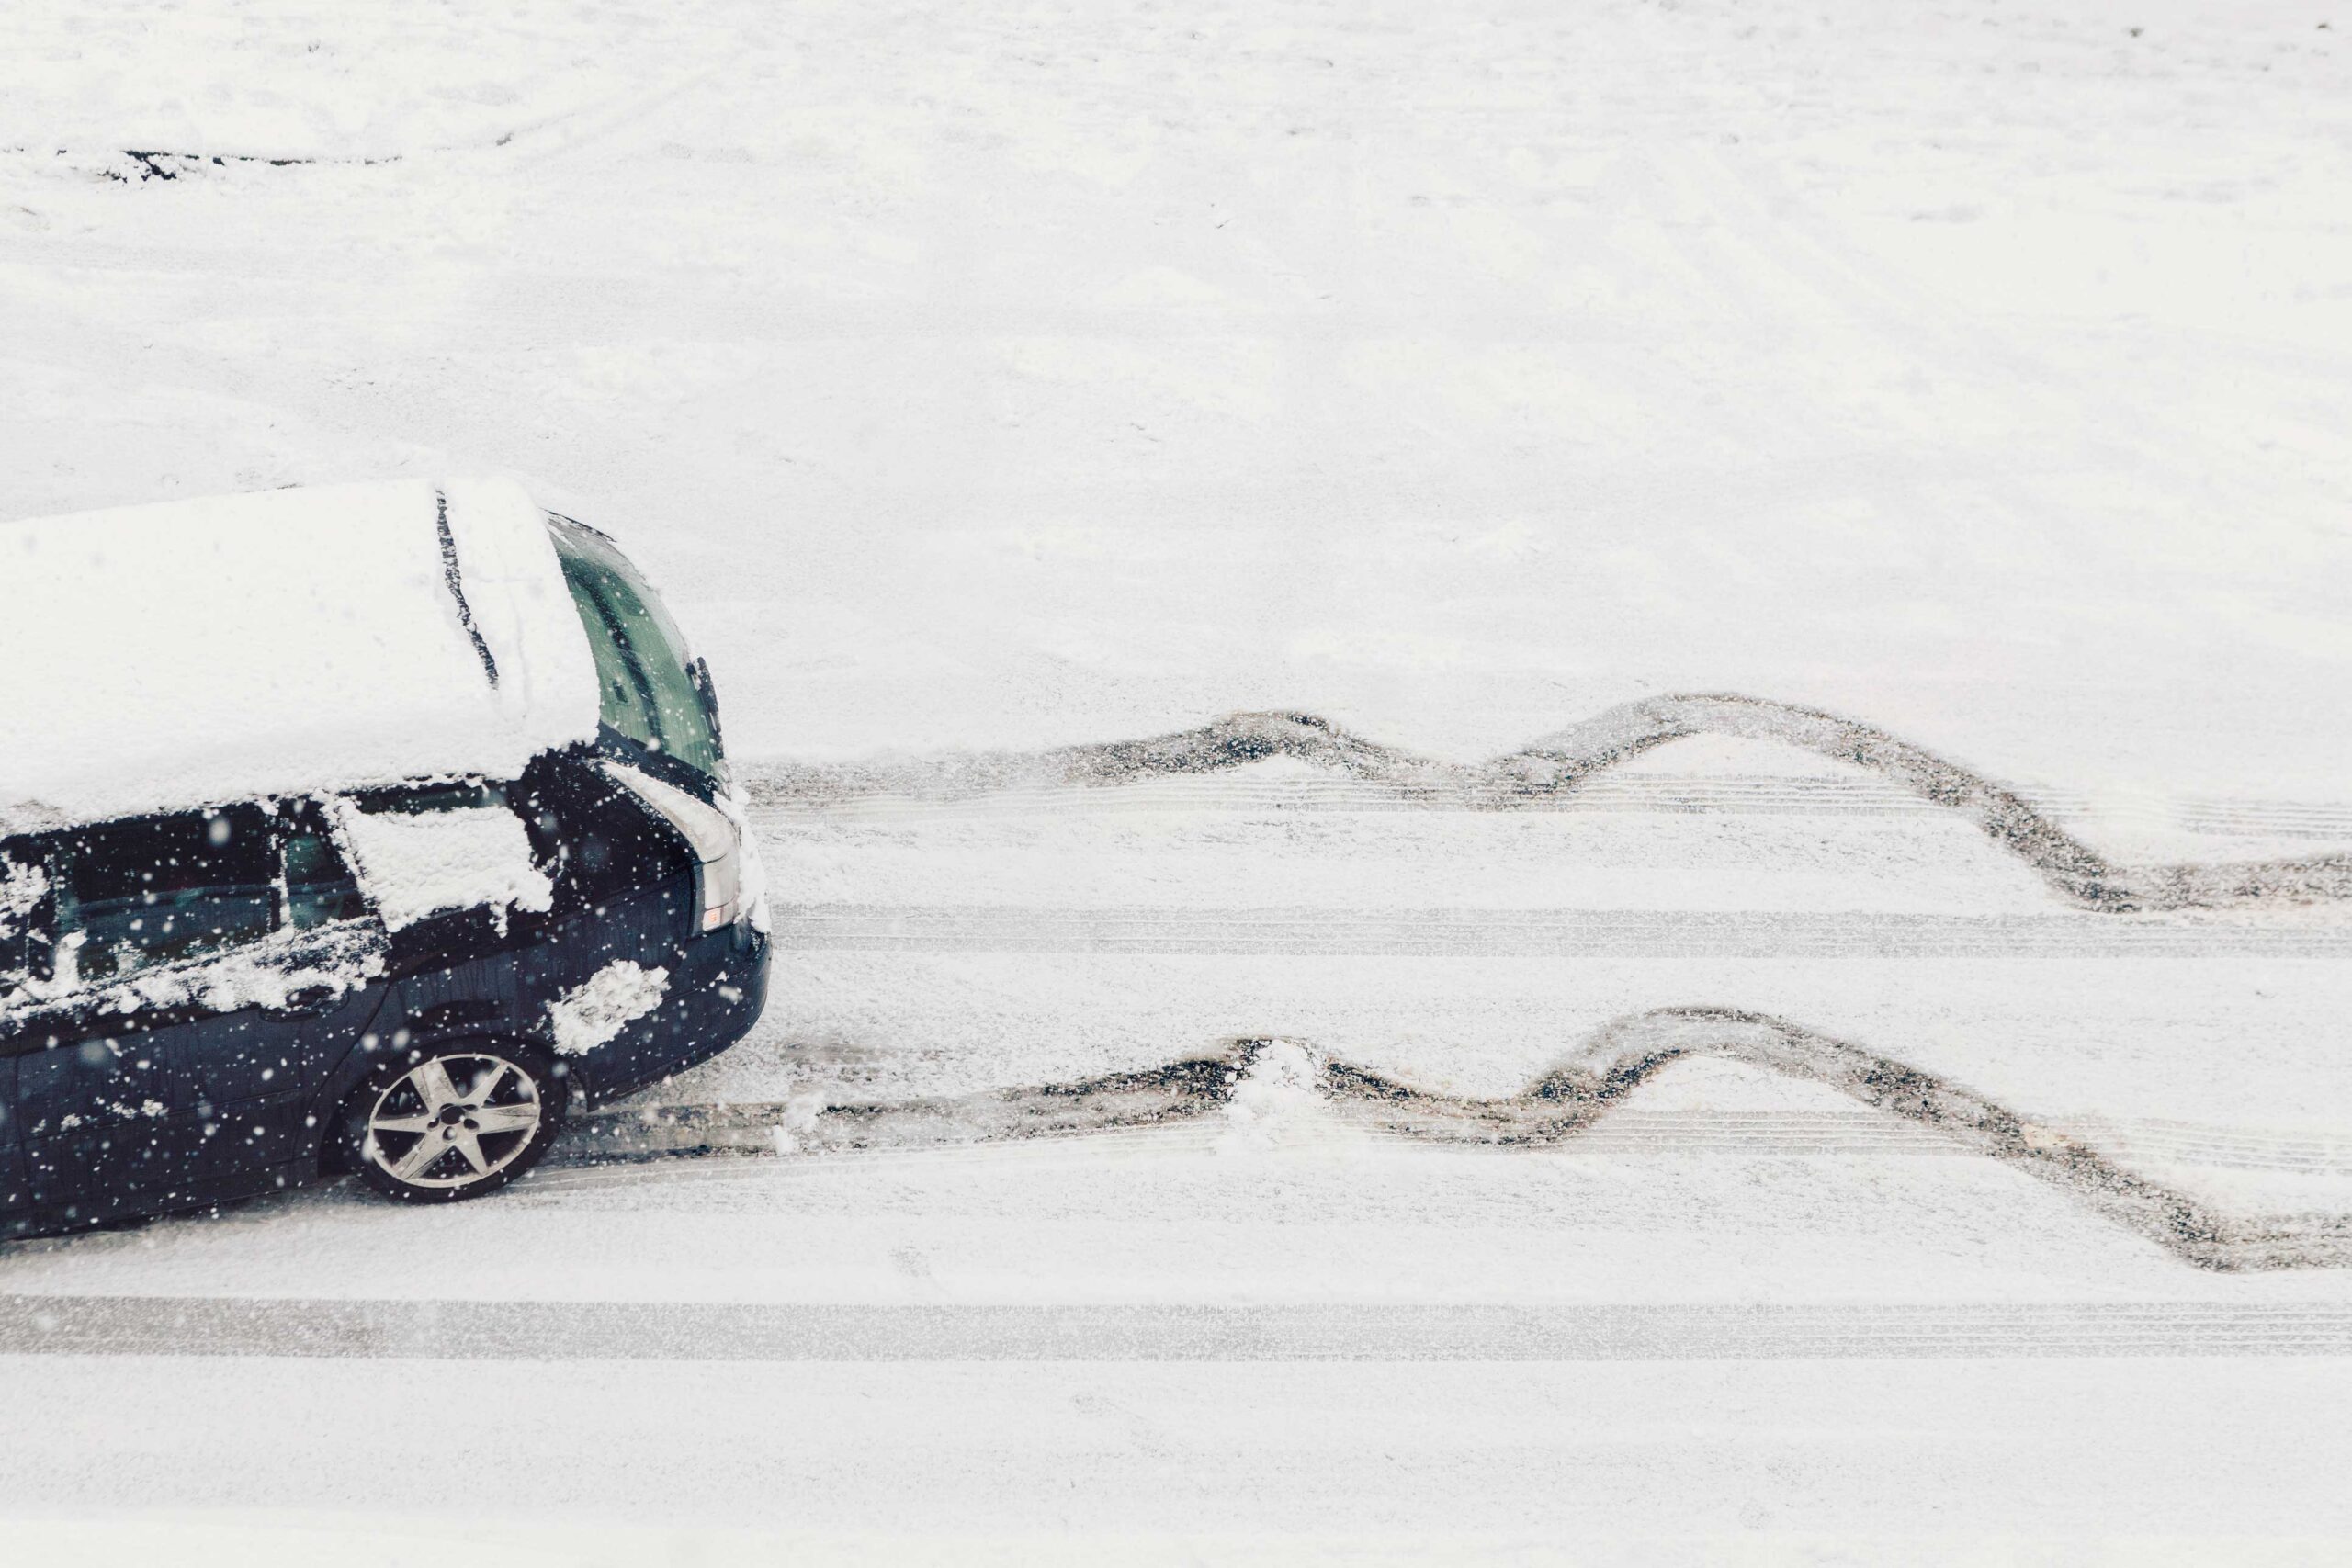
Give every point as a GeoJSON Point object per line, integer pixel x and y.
{"type": "Point", "coordinates": [1007, 377]}
{"type": "Point", "coordinates": [1046, 373]}
{"type": "Point", "coordinates": [1275, 1342]}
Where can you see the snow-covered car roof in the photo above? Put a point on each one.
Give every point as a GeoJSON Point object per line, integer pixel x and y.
{"type": "Point", "coordinates": [294, 641]}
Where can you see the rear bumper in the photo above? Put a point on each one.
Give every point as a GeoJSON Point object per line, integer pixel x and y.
{"type": "Point", "coordinates": [718, 987]}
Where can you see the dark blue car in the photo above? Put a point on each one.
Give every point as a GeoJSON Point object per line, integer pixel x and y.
{"type": "Point", "coordinates": [479, 865]}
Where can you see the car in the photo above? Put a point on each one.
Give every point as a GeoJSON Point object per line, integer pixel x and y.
{"type": "Point", "coordinates": [372, 829]}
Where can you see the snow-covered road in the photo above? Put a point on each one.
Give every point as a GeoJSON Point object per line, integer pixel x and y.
{"type": "Point", "coordinates": [1744, 1314]}
{"type": "Point", "coordinates": [1929, 1462]}
{"type": "Point", "coordinates": [998, 378]}
{"type": "Point", "coordinates": [976, 1275]}
{"type": "Point", "coordinates": [1266, 1341]}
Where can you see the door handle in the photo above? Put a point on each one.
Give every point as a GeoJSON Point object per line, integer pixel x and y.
{"type": "Point", "coordinates": [306, 1001]}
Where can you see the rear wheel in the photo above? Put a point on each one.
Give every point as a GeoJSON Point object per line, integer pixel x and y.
{"type": "Point", "coordinates": [456, 1122]}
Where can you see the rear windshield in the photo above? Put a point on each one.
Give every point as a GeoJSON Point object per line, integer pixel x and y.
{"type": "Point", "coordinates": [648, 694]}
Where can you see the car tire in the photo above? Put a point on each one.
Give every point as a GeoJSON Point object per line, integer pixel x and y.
{"type": "Point", "coordinates": [448, 1122]}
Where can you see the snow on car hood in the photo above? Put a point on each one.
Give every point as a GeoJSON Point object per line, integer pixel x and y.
{"type": "Point", "coordinates": [296, 641]}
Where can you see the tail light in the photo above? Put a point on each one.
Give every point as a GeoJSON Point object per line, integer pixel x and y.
{"type": "Point", "coordinates": [719, 851]}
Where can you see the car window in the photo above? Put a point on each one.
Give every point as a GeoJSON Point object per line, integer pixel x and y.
{"type": "Point", "coordinates": [625, 695]}
{"type": "Point", "coordinates": [649, 694]}
{"type": "Point", "coordinates": [320, 887]}
{"type": "Point", "coordinates": [129, 895]}
{"type": "Point", "coordinates": [419, 799]}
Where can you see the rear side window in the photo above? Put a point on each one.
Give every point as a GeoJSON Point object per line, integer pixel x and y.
{"type": "Point", "coordinates": [130, 896]}
{"type": "Point", "coordinates": [98, 903]}
{"type": "Point", "coordinates": [320, 887]}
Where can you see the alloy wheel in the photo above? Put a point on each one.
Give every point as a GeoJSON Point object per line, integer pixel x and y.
{"type": "Point", "coordinates": [453, 1121]}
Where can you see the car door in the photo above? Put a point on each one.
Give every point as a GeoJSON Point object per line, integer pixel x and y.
{"type": "Point", "coordinates": [330, 981]}
{"type": "Point", "coordinates": [189, 971]}
{"type": "Point", "coordinates": [141, 911]}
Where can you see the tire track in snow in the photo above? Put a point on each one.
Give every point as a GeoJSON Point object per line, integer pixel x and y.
{"type": "Point", "coordinates": [1520, 932]}
{"type": "Point", "coordinates": [1625, 1055]}
{"type": "Point", "coordinates": [1721, 794]}
{"type": "Point", "coordinates": [1564, 1104]}
{"type": "Point", "coordinates": [1176, 1092]}
{"type": "Point", "coordinates": [1556, 766]}
{"type": "Point", "coordinates": [821, 1126]}
{"type": "Point", "coordinates": [707, 1331]}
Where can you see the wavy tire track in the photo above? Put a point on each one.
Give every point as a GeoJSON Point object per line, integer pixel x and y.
{"type": "Point", "coordinates": [1564, 1103]}
{"type": "Point", "coordinates": [1625, 1055]}
{"type": "Point", "coordinates": [1559, 764]}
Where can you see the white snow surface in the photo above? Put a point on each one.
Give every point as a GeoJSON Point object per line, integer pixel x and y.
{"type": "Point", "coordinates": [969, 947]}
{"type": "Point", "coordinates": [295, 641]}
{"type": "Point", "coordinates": [594, 1011]}
{"type": "Point", "coordinates": [421, 863]}
{"type": "Point", "coordinates": [996, 376]}
{"type": "Point", "coordinates": [1015, 374]}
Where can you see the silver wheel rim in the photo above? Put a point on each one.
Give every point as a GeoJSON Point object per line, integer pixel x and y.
{"type": "Point", "coordinates": [453, 1120]}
